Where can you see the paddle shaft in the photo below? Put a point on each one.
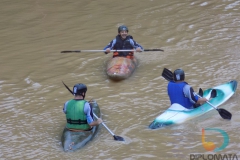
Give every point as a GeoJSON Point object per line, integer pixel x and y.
{"type": "Point", "coordinates": [206, 101]}
{"type": "Point", "coordinates": [78, 51]}
{"type": "Point", "coordinates": [105, 126]}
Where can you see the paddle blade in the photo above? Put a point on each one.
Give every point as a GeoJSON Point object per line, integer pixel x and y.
{"type": "Point", "coordinates": [118, 138]}
{"type": "Point", "coordinates": [167, 74]}
{"type": "Point", "coordinates": [67, 87]}
{"type": "Point", "coordinates": [153, 50]}
{"type": "Point", "coordinates": [224, 114]}
{"type": "Point", "coordinates": [70, 51]}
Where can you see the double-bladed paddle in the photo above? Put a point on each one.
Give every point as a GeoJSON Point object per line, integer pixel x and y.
{"type": "Point", "coordinates": [129, 50]}
{"type": "Point", "coordinates": [117, 138]}
{"type": "Point", "coordinates": [168, 75]}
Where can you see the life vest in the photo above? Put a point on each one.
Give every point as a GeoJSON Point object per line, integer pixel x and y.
{"type": "Point", "coordinates": [176, 94]}
{"type": "Point", "coordinates": [76, 118]}
{"type": "Point", "coordinates": [123, 44]}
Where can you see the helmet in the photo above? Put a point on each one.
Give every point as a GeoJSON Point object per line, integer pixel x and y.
{"type": "Point", "coordinates": [122, 28]}
{"type": "Point", "coordinates": [178, 75]}
{"type": "Point", "coordinates": [79, 89]}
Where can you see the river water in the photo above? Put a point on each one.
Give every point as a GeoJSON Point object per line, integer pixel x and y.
{"type": "Point", "coordinates": [201, 37]}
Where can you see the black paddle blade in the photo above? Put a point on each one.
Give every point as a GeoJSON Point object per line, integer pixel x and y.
{"type": "Point", "coordinates": [224, 114]}
{"type": "Point", "coordinates": [153, 50]}
{"type": "Point", "coordinates": [200, 92]}
{"type": "Point", "coordinates": [70, 51]}
{"type": "Point", "coordinates": [167, 74]}
{"type": "Point", "coordinates": [213, 93]}
{"type": "Point", "coordinates": [67, 87]}
{"type": "Point", "coordinates": [118, 138]}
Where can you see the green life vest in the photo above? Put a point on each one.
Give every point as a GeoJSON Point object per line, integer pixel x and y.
{"type": "Point", "coordinates": [76, 118]}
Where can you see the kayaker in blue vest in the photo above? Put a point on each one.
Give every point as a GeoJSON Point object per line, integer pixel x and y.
{"type": "Point", "coordinates": [123, 41]}
{"type": "Point", "coordinates": [78, 111]}
{"type": "Point", "coordinates": [182, 93]}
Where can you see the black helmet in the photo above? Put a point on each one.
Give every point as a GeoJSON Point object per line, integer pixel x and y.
{"type": "Point", "coordinates": [178, 75]}
{"type": "Point", "coordinates": [122, 28]}
{"type": "Point", "coordinates": [79, 89]}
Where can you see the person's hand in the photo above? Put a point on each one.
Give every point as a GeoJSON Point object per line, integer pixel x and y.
{"type": "Point", "coordinates": [96, 122]}
{"type": "Point", "coordinates": [99, 121]}
{"type": "Point", "coordinates": [139, 49]}
{"type": "Point", "coordinates": [205, 99]}
{"type": "Point", "coordinates": [108, 50]}
{"type": "Point", "coordinates": [202, 100]}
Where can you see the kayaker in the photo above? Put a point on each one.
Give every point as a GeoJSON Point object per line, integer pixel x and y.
{"type": "Point", "coordinates": [182, 93]}
{"type": "Point", "coordinates": [123, 41]}
{"type": "Point", "coordinates": [78, 111]}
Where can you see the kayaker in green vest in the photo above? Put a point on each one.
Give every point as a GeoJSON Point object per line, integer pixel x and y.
{"type": "Point", "coordinates": [78, 112]}
{"type": "Point", "coordinates": [123, 41]}
{"type": "Point", "coordinates": [180, 92]}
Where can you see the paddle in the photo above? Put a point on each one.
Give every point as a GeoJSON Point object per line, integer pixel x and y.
{"type": "Point", "coordinates": [168, 75]}
{"type": "Point", "coordinates": [117, 138]}
{"type": "Point", "coordinates": [78, 51]}
{"type": "Point", "coordinates": [223, 113]}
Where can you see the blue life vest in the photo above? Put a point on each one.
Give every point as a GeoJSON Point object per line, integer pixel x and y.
{"type": "Point", "coordinates": [176, 94]}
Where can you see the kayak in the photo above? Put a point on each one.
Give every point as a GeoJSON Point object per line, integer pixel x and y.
{"type": "Point", "coordinates": [73, 140]}
{"type": "Point", "coordinates": [177, 113]}
{"type": "Point", "coordinates": [119, 68]}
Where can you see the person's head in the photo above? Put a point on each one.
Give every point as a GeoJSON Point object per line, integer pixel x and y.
{"type": "Point", "coordinates": [80, 89]}
{"type": "Point", "coordinates": [178, 75]}
{"type": "Point", "coordinates": [123, 31]}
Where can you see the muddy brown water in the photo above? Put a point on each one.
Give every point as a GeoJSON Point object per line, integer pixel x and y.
{"type": "Point", "coordinates": [201, 37]}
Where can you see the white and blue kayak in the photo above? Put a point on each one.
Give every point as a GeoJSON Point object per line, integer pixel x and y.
{"type": "Point", "coordinates": [177, 114]}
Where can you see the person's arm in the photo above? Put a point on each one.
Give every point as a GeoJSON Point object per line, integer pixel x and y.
{"type": "Point", "coordinates": [136, 46]}
{"type": "Point", "coordinates": [65, 107]}
{"type": "Point", "coordinates": [90, 120]}
{"type": "Point", "coordinates": [109, 47]}
{"type": "Point", "coordinates": [201, 100]}
{"type": "Point", "coordinates": [95, 123]}
{"type": "Point", "coordinates": [189, 92]}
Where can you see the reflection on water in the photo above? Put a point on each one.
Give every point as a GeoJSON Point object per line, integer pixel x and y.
{"type": "Point", "coordinates": [200, 37]}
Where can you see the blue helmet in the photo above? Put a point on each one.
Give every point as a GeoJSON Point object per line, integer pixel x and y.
{"type": "Point", "coordinates": [178, 75]}
{"type": "Point", "coordinates": [122, 28]}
